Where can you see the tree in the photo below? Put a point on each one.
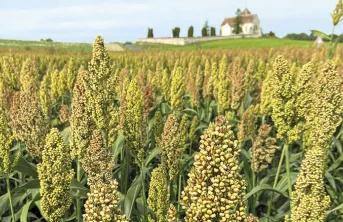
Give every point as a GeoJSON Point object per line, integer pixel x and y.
{"type": "Point", "coordinates": [272, 35]}
{"type": "Point", "coordinates": [176, 32]}
{"type": "Point", "coordinates": [205, 30]}
{"type": "Point", "coordinates": [213, 31]}
{"type": "Point", "coordinates": [150, 33]}
{"type": "Point", "coordinates": [237, 29]}
{"type": "Point", "coordinates": [191, 32]}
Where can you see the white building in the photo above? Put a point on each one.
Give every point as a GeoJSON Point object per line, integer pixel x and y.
{"type": "Point", "coordinates": [250, 24]}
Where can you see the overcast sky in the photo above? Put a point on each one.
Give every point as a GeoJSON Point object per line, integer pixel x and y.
{"type": "Point", "coordinates": [127, 20]}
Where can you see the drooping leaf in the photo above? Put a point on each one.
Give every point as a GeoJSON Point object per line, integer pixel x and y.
{"type": "Point", "coordinates": [263, 187]}
{"type": "Point", "coordinates": [152, 155]}
{"type": "Point", "coordinates": [26, 168]}
{"type": "Point", "coordinates": [318, 33]}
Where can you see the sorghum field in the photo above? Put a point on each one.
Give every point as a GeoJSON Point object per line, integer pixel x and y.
{"type": "Point", "coordinates": [216, 135]}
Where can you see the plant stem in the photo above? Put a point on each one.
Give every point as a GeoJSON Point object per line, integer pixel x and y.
{"type": "Point", "coordinates": [10, 196]}
{"type": "Point", "coordinates": [253, 210]}
{"type": "Point", "coordinates": [143, 194]}
{"type": "Point", "coordinates": [190, 148]}
{"type": "Point", "coordinates": [179, 192]}
{"type": "Point", "coordinates": [331, 51]}
{"type": "Point", "coordinates": [78, 200]}
{"type": "Point", "coordinates": [275, 183]}
{"type": "Point", "coordinates": [288, 171]}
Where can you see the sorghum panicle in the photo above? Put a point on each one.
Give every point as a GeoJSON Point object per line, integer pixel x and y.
{"type": "Point", "coordinates": [172, 146]}
{"type": "Point", "coordinates": [246, 129]}
{"type": "Point", "coordinates": [223, 86]}
{"type": "Point", "coordinates": [55, 175]}
{"type": "Point", "coordinates": [102, 203]}
{"type": "Point", "coordinates": [28, 122]}
{"type": "Point", "coordinates": [81, 123]}
{"type": "Point", "coordinates": [215, 189]}
{"type": "Point", "coordinates": [97, 161]}
{"type": "Point", "coordinates": [264, 149]}
{"type": "Point", "coordinates": [238, 79]}
{"type": "Point", "coordinates": [172, 214]}
{"type": "Point", "coordinates": [100, 94]}
{"type": "Point", "coordinates": [177, 91]}
{"type": "Point", "coordinates": [134, 122]}
{"type": "Point", "coordinates": [309, 200]}
{"type": "Point", "coordinates": [7, 161]}
{"type": "Point", "coordinates": [158, 200]}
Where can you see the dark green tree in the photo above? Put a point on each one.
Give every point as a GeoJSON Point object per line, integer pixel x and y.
{"type": "Point", "coordinates": [150, 33]}
{"type": "Point", "coordinates": [176, 32]}
{"type": "Point", "coordinates": [205, 30]}
{"type": "Point", "coordinates": [213, 31]}
{"type": "Point", "coordinates": [237, 28]}
{"type": "Point", "coordinates": [191, 32]}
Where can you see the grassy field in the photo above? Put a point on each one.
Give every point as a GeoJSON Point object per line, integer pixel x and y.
{"type": "Point", "coordinates": [230, 44]}
{"type": "Point", "coordinates": [20, 45]}
{"type": "Point", "coordinates": [53, 46]}
{"type": "Point", "coordinates": [28, 45]}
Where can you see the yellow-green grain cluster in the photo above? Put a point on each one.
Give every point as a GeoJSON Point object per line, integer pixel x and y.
{"type": "Point", "coordinates": [326, 108]}
{"type": "Point", "coordinates": [99, 90]}
{"type": "Point", "coordinates": [238, 80]}
{"type": "Point", "coordinates": [158, 200]}
{"type": "Point", "coordinates": [133, 123]}
{"type": "Point", "coordinates": [264, 149]}
{"type": "Point", "coordinates": [81, 122]}
{"type": "Point", "coordinates": [177, 90]}
{"type": "Point", "coordinates": [247, 127]}
{"type": "Point", "coordinates": [309, 199]}
{"type": "Point", "coordinates": [55, 175]}
{"type": "Point", "coordinates": [172, 214]}
{"type": "Point", "coordinates": [28, 122]}
{"type": "Point", "coordinates": [215, 190]}
{"type": "Point", "coordinates": [172, 146]}
{"type": "Point", "coordinates": [223, 86]}
{"type": "Point", "coordinates": [102, 202]}
{"type": "Point", "coordinates": [97, 161]}
{"type": "Point", "coordinates": [7, 161]}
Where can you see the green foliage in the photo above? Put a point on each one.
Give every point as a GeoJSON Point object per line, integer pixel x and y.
{"type": "Point", "coordinates": [213, 31]}
{"type": "Point", "coordinates": [176, 32]}
{"type": "Point", "coordinates": [237, 27]}
{"type": "Point", "coordinates": [205, 30]}
{"type": "Point", "coordinates": [150, 33]}
{"type": "Point", "coordinates": [190, 32]}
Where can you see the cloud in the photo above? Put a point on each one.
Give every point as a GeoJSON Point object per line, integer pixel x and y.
{"type": "Point", "coordinates": [94, 16]}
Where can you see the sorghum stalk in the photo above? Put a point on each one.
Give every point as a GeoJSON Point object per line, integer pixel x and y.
{"type": "Point", "coordinates": [10, 197]}
{"type": "Point", "coordinates": [275, 183]}
{"type": "Point", "coordinates": [78, 198]}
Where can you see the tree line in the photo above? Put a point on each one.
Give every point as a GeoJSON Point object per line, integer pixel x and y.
{"type": "Point", "coordinates": [205, 31]}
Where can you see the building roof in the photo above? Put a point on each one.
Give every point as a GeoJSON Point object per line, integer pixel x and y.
{"type": "Point", "coordinates": [246, 16]}
{"type": "Point", "coordinates": [246, 12]}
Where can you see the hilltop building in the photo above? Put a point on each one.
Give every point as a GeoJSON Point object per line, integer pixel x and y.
{"type": "Point", "coordinates": [250, 24]}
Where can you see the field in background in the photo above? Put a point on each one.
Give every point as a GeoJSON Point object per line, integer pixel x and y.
{"type": "Point", "coordinates": [53, 46]}
{"type": "Point", "coordinates": [230, 44]}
